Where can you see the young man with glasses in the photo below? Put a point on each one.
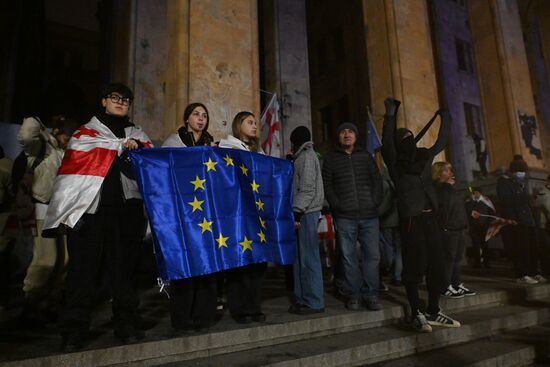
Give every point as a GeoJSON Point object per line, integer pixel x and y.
{"type": "Point", "coordinates": [97, 200]}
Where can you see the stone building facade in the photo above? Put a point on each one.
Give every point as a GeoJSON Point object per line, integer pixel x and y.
{"type": "Point", "coordinates": [488, 61]}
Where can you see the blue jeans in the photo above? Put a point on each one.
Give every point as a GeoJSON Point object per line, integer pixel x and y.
{"type": "Point", "coordinates": [360, 282]}
{"type": "Point", "coordinates": [308, 274]}
{"type": "Point", "coordinates": [390, 251]}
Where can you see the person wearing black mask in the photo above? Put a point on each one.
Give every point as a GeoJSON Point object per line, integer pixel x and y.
{"type": "Point", "coordinates": [410, 170]}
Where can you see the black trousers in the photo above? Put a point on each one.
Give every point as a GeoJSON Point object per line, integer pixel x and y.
{"type": "Point", "coordinates": [193, 301]}
{"type": "Point", "coordinates": [423, 256]}
{"type": "Point", "coordinates": [422, 251]}
{"type": "Point", "coordinates": [108, 241]}
{"type": "Point", "coordinates": [244, 285]}
{"type": "Point", "coordinates": [480, 246]}
{"type": "Point", "coordinates": [453, 245]}
{"type": "Point", "coordinates": [523, 244]}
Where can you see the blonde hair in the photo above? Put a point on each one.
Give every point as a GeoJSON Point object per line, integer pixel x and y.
{"type": "Point", "coordinates": [254, 143]}
{"type": "Point", "coordinates": [437, 167]}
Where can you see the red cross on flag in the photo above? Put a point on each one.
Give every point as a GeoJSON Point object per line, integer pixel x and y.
{"type": "Point", "coordinates": [270, 124]}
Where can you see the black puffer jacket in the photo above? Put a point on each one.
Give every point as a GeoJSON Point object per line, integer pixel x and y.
{"type": "Point", "coordinates": [353, 184]}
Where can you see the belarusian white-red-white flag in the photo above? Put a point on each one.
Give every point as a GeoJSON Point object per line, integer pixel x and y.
{"type": "Point", "coordinates": [270, 125]}
{"type": "Point", "coordinates": [86, 161]}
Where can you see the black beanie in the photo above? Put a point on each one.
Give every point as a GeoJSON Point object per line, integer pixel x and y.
{"type": "Point", "coordinates": [347, 125]}
{"type": "Point", "coordinates": [299, 136]}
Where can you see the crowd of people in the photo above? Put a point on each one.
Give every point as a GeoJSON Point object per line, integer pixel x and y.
{"type": "Point", "coordinates": [406, 218]}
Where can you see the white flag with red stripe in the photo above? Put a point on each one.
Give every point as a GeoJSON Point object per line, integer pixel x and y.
{"type": "Point", "coordinates": [270, 125]}
{"type": "Point", "coordinates": [86, 161]}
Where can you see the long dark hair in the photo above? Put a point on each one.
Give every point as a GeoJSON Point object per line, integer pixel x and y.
{"type": "Point", "coordinates": [253, 143]}
{"type": "Point", "coordinates": [189, 110]}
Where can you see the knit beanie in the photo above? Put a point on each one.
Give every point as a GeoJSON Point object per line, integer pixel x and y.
{"type": "Point", "coordinates": [299, 136]}
{"type": "Point", "coordinates": [347, 125]}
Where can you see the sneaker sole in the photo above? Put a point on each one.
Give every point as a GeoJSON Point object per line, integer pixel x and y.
{"type": "Point", "coordinates": [435, 323]}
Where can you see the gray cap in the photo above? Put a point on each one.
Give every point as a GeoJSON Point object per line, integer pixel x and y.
{"type": "Point", "coordinates": [347, 125]}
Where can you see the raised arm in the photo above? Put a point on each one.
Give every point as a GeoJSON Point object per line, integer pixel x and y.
{"type": "Point", "coordinates": [389, 152]}
{"type": "Point", "coordinates": [444, 132]}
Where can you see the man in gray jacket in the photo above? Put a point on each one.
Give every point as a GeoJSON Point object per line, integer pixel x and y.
{"type": "Point", "coordinates": [308, 201]}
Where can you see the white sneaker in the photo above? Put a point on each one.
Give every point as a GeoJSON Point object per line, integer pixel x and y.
{"type": "Point", "coordinates": [465, 291]}
{"type": "Point", "coordinates": [440, 319]}
{"type": "Point", "coordinates": [420, 323]}
{"type": "Point", "coordinates": [539, 278]}
{"type": "Point", "coordinates": [451, 292]}
{"type": "Point", "coordinates": [527, 280]}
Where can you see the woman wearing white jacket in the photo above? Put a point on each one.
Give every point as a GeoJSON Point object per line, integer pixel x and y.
{"type": "Point", "coordinates": [244, 284]}
{"type": "Point", "coordinates": [192, 300]}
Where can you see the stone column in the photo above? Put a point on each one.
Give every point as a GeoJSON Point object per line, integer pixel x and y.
{"type": "Point", "coordinates": [505, 84]}
{"type": "Point", "coordinates": [286, 62]}
{"type": "Point", "coordinates": [401, 61]}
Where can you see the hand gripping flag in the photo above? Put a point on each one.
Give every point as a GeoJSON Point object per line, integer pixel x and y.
{"type": "Point", "coordinates": [212, 209]}
{"type": "Point", "coordinates": [85, 164]}
{"type": "Point", "coordinates": [495, 226]}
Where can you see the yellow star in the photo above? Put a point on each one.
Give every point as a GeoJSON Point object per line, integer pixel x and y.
{"type": "Point", "coordinates": [205, 225]}
{"type": "Point", "coordinates": [196, 204]}
{"type": "Point", "coordinates": [210, 165]}
{"type": "Point", "coordinates": [262, 236]}
{"type": "Point", "coordinates": [260, 204]}
{"type": "Point", "coordinates": [228, 161]}
{"type": "Point", "coordinates": [199, 184]}
{"type": "Point", "coordinates": [222, 241]}
{"type": "Point", "coordinates": [244, 169]}
{"type": "Point", "coordinates": [255, 186]}
{"type": "Point", "coordinates": [262, 222]}
{"type": "Point", "coordinates": [246, 244]}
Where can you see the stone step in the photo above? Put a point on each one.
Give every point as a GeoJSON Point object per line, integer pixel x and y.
{"type": "Point", "coordinates": [281, 327]}
{"type": "Point", "coordinates": [479, 353]}
{"type": "Point", "coordinates": [375, 344]}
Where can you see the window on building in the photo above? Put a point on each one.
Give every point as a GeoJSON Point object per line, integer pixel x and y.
{"type": "Point", "coordinates": [474, 122]}
{"type": "Point", "coordinates": [464, 56]}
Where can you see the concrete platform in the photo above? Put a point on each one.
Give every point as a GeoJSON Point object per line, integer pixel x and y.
{"type": "Point", "coordinates": [337, 337]}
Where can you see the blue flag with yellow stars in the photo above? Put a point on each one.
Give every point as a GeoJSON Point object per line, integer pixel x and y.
{"type": "Point", "coordinates": [212, 209]}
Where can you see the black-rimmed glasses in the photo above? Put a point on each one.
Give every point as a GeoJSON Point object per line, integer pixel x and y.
{"type": "Point", "coordinates": [115, 98]}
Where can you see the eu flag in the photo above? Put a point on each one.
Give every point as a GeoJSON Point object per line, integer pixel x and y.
{"type": "Point", "coordinates": [212, 209]}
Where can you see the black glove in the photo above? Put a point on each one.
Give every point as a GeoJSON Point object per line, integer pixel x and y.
{"type": "Point", "coordinates": [392, 105]}
{"type": "Point", "coordinates": [297, 217]}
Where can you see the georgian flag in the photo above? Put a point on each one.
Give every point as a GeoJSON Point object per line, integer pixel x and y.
{"type": "Point", "coordinates": [270, 127]}
{"type": "Point", "coordinates": [87, 160]}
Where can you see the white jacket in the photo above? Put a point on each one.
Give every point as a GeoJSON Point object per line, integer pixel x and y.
{"type": "Point", "coordinates": [234, 143]}
{"type": "Point", "coordinates": [32, 137]}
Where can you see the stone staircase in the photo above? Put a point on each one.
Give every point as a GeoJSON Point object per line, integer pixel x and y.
{"type": "Point", "coordinates": [505, 324]}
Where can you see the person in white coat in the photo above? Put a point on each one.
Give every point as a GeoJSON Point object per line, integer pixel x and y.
{"type": "Point", "coordinates": [192, 300]}
{"type": "Point", "coordinates": [244, 284]}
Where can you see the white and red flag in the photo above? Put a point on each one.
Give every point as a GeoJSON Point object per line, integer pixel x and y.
{"type": "Point", "coordinates": [270, 125]}
{"type": "Point", "coordinates": [86, 161]}
{"type": "Point", "coordinates": [495, 226]}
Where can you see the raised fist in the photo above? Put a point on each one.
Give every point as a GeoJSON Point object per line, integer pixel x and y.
{"type": "Point", "coordinates": [392, 105]}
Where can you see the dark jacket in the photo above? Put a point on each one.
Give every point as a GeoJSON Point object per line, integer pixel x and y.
{"type": "Point", "coordinates": [353, 184]}
{"type": "Point", "coordinates": [388, 207]}
{"type": "Point", "coordinates": [451, 212]}
{"type": "Point", "coordinates": [514, 200]}
{"type": "Point", "coordinates": [415, 191]}
{"type": "Point", "coordinates": [481, 208]}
